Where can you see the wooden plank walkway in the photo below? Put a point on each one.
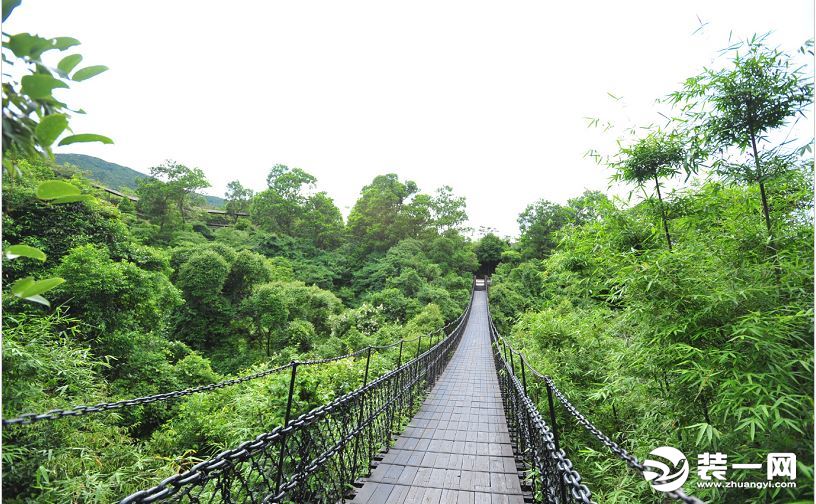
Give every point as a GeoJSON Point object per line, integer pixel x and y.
{"type": "Point", "coordinates": [457, 448]}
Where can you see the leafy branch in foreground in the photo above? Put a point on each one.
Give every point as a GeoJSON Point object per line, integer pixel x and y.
{"type": "Point", "coordinates": [33, 120]}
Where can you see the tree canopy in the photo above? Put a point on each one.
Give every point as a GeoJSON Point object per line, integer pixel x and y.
{"type": "Point", "coordinates": [699, 334]}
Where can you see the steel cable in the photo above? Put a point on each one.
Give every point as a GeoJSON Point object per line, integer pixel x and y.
{"type": "Point", "coordinates": [30, 418]}
{"type": "Point", "coordinates": [616, 449]}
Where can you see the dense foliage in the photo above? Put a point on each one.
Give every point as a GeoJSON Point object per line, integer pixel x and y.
{"type": "Point", "coordinates": [158, 301]}
{"type": "Point", "coordinates": [157, 296]}
{"type": "Point", "coordinates": [687, 319]}
{"type": "Point", "coordinates": [700, 337]}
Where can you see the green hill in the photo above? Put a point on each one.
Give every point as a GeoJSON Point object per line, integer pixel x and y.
{"type": "Point", "coordinates": [115, 175]}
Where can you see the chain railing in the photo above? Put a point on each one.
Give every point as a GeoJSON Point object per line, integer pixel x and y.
{"type": "Point", "coordinates": [549, 471]}
{"type": "Point", "coordinates": [567, 489]}
{"type": "Point", "coordinates": [55, 414]}
{"type": "Point", "coordinates": [29, 418]}
{"type": "Point", "coordinates": [317, 456]}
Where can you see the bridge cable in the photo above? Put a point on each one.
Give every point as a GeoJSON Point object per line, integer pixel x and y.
{"type": "Point", "coordinates": [30, 418]}
{"type": "Point", "coordinates": [616, 449]}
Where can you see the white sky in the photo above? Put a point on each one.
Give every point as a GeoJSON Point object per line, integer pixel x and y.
{"type": "Point", "coordinates": [488, 97]}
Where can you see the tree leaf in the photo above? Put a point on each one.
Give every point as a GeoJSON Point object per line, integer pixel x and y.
{"type": "Point", "coordinates": [85, 137]}
{"type": "Point", "coordinates": [38, 299]}
{"type": "Point", "coordinates": [27, 45]}
{"type": "Point", "coordinates": [8, 6]}
{"type": "Point", "coordinates": [50, 128]}
{"type": "Point", "coordinates": [88, 72]}
{"type": "Point", "coordinates": [39, 86]}
{"type": "Point", "coordinates": [15, 251]}
{"type": "Point", "coordinates": [69, 62]}
{"type": "Point", "coordinates": [21, 284]}
{"type": "Point", "coordinates": [63, 43]}
{"type": "Point", "coordinates": [52, 189]}
{"type": "Point", "coordinates": [28, 287]}
{"type": "Point", "coordinates": [72, 199]}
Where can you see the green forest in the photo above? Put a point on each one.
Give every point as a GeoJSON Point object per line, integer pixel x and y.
{"type": "Point", "coordinates": [682, 315]}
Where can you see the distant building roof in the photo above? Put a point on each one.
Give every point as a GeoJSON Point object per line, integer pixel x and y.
{"type": "Point", "coordinates": [115, 192]}
{"type": "Point", "coordinates": [211, 211]}
{"type": "Point", "coordinates": [224, 212]}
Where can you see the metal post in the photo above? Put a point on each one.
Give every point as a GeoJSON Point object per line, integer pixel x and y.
{"type": "Point", "coordinates": [368, 361]}
{"type": "Point", "coordinates": [514, 430]}
{"type": "Point", "coordinates": [524, 438]}
{"type": "Point", "coordinates": [360, 416]}
{"type": "Point", "coordinates": [555, 437]}
{"type": "Point", "coordinates": [370, 430]}
{"type": "Point", "coordinates": [395, 389]}
{"type": "Point", "coordinates": [415, 370]}
{"type": "Point", "coordinates": [552, 416]}
{"type": "Point", "coordinates": [431, 369]}
{"type": "Point", "coordinates": [294, 365]}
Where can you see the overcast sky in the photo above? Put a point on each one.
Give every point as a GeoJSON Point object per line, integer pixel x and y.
{"type": "Point", "coordinates": [488, 97]}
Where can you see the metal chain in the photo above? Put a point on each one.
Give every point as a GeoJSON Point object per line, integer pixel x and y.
{"type": "Point", "coordinates": [221, 464]}
{"type": "Point", "coordinates": [580, 492]}
{"type": "Point", "coordinates": [540, 433]}
{"type": "Point", "coordinates": [443, 329]}
{"type": "Point", "coordinates": [619, 451]}
{"type": "Point", "coordinates": [333, 359]}
{"type": "Point", "coordinates": [630, 460]}
{"type": "Point", "coordinates": [30, 418]}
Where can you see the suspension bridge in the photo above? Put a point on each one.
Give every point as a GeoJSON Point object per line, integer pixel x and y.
{"type": "Point", "coordinates": [473, 435]}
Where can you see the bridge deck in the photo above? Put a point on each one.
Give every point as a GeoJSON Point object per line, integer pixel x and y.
{"type": "Point", "coordinates": [457, 448]}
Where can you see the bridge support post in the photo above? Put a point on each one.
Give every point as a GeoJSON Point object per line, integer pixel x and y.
{"type": "Point", "coordinates": [392, 409]}
{"type": "Point", "coordinates": [514, 423]}
{"type": "Point", "coordinates": [526, 435]}
{"type": "Point", "coordinates": [555, 436]}
{"type": "Point", "coordinates": [370, 447]}
{"type": "Point", "coordinates": [418, 352]}
{"type": "Point", "coordinates": [368, 362]}
{"type": "Point", "coordinates": [282, 452]}
{"type": "Point", "coordinates": [399, 403]}
{"type": "Point", "coordinates": [552, 416]}
{"type": "Point", "coordinates": [356, 448]}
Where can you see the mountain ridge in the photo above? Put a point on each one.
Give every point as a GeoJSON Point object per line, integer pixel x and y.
{"type": "Point", "coordinates": [116, 176]}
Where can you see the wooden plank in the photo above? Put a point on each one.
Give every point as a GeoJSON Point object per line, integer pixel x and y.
{"type": "Point", "coordinates": [457, 448]}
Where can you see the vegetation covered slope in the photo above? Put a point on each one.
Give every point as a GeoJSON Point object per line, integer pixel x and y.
{"type": "Point", "coordinates": [145, 310]}
{"type": "Point", "coordinates": [108, 174]}
{"type": "Point", "coordinates": [116, 176]}
{"type": "Point", "coordinates": [106, 300]}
